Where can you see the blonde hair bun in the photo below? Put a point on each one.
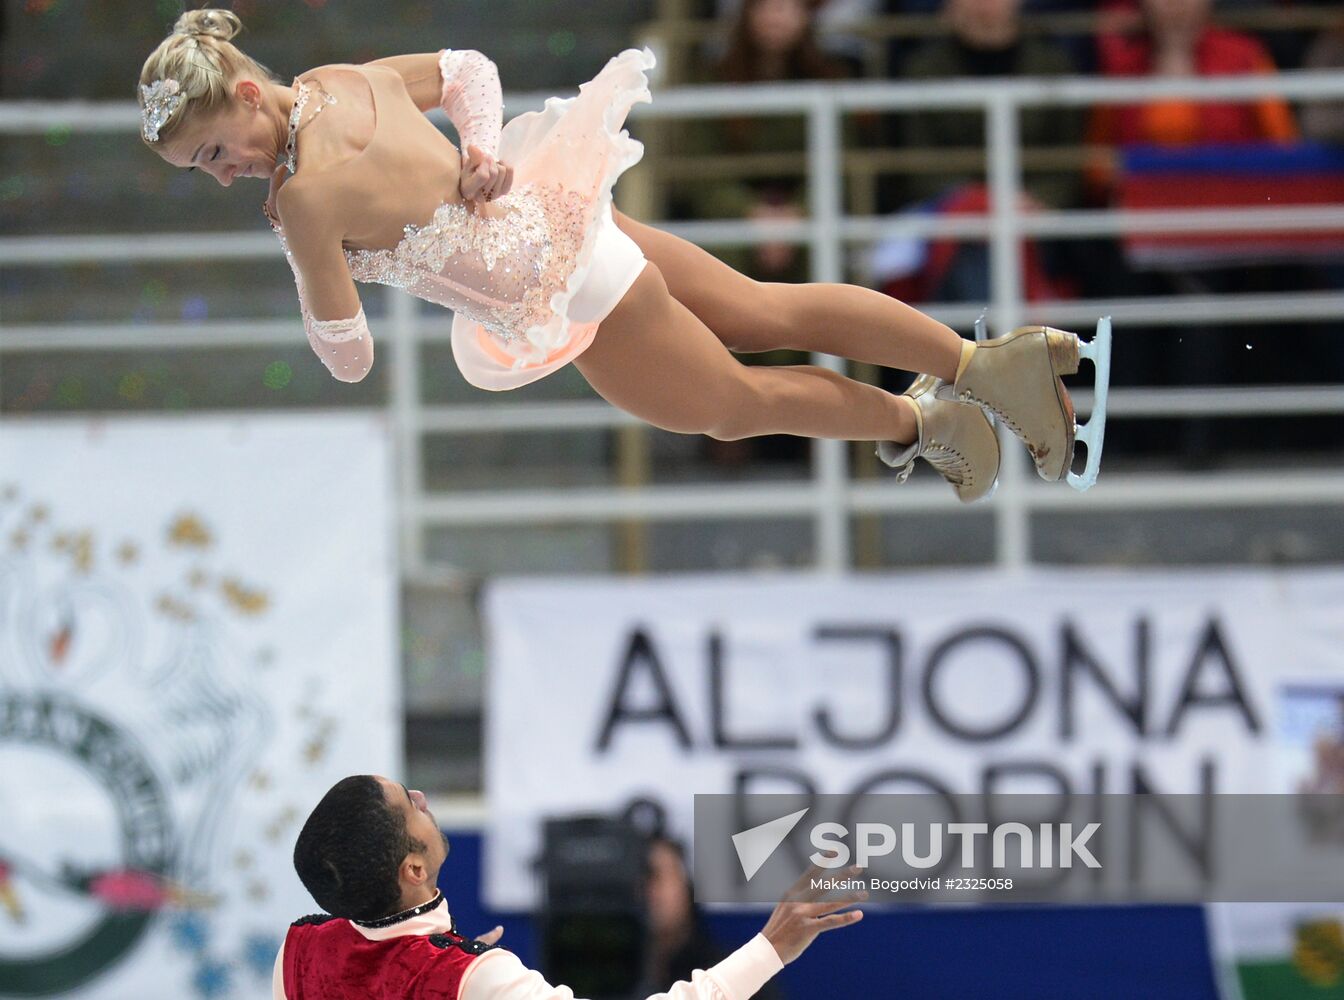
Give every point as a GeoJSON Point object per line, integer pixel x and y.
{"type": "Point", "coordinates": [211, 22]}
{"type": "Point", "coordinates": [203, 71]}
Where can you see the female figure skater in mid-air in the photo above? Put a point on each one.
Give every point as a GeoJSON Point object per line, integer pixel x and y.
{"type": "Point", "coordinates": [517, 235]}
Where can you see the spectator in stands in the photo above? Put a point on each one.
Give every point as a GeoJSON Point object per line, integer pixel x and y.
{"type": "Point", "coordinates": [774, 40]}
{"type": "Point", "coordinates": [769, 41]}
{"type": "Point", "coordinates": [680, 941]}
{"type": "Point", "coordinates": [839, 22]}
{"type": "Point", "coordinates": [1324, 120]}
{"type": "Point", "coordinates": [1176, 38]}
{"type": "Point", "coordinates": [909, 31]}
{"type": "Point", "coordinates": [985, 40]}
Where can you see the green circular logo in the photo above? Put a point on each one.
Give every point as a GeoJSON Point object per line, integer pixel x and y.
{"type": "Point", "coordinates": [116, 762]}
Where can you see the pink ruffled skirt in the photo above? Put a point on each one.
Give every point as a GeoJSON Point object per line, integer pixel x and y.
{"type": "Point", "coordinates": [581, 145]}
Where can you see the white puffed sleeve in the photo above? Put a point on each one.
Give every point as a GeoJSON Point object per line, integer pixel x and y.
{"type": "Point", "coordinates": [499, 975]}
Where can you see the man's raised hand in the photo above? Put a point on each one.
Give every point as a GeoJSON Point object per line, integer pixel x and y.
{"type": "Point", "coordinates": [491, 936]}
{"type": "Point", "coordinates": [802, 914]}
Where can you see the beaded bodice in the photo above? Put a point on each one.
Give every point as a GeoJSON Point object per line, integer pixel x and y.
{"type": "Point", "coordinates": [498, 269]}
{"type": "Point", "coordinates": [512, 270]}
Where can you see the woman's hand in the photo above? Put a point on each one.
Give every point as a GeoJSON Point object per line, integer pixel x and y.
{"type": "Point", "coordinates": [483, 178]}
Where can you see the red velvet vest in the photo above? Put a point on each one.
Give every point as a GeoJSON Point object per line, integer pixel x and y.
{"type": "Point", "coordinates": [328, 959]}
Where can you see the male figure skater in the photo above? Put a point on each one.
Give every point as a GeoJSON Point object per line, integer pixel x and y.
{"type": "Point", "coordinates": [370, 854]}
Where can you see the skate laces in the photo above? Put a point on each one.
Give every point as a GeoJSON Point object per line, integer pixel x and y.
{"type": "Point", "coordinates": [951, 468]}
{"type": "Point", "coordinates": [951, 464]}
{"type": "Point", "coordinates": [966, 396]}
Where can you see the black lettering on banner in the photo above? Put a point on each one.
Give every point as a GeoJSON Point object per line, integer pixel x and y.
{"type": "Point", "coordinates": [1213, 650]}
{"type": "Point", "coordinates": [640, 653]}
{"type": "Point", "coordinates": [1076, 658]}
{"type": "Point", "coordinates": [746, 777]}
{"type": "Point", "coordinates": [1098, 771]}
{"type": "Point", "coordinates": [923, 781]}
{"type": "Point", "coordinates": [888, 641]}
{"type": "Point", "coordinates": [982, 634]}
{"type": "Point", "coordinates": [718, 711]}
{"type": "Point", "coordinates": [1195, 843]}
{"type": "Point", "coordinates": [995, 775]}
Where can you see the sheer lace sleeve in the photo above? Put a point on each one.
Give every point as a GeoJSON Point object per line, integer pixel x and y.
{"type": "Point", "coordinates": [345, 346]}
{"type": "Point", "coordinates": [472, 98]}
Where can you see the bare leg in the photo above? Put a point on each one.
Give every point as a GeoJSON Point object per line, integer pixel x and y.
{"type": "Point", "coordinates": [844, 320]}
{"type": "Point", "coordinates": [654, 358]}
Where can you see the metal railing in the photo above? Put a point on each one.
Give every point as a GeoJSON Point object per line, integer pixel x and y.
{"type": "Point", "coordinates": [831, 497]}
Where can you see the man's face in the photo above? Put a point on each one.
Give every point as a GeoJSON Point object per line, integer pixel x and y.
{"type": "Point", "coordinates": [420, 824]}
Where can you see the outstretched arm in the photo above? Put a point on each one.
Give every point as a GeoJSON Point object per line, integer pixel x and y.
{"type": "Point", "coordinates": [499, 975]}
{"type": "Point", "coordinates": [793, 926]}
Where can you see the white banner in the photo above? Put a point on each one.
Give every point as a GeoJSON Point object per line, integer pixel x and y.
{"type": "Point", "coordinates": [603, 691]}
{"type": "Point", "coordinates": [197, 637]}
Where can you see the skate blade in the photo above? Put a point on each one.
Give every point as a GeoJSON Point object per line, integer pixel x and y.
{"type": "Point", "coordinates": [1093, 433]}
{"type": "Point", "coordinates": [981, 330]}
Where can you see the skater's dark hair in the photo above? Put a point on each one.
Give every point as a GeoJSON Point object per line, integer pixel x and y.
{"type": "Point", "coordinates": [350, 848]}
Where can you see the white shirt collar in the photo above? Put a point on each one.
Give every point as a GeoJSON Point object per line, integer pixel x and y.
{"type": "Point", "coordinates": [430, 918]}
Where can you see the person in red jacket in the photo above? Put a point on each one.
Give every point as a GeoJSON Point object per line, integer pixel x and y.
{"type": "Point", "coordinates": [1176, 39]}
{"type": "Point", "coordinates": [370, 855]}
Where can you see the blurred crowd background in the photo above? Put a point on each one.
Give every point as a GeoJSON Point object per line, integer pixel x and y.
{"type": "Point", "coordinates": [59, 183]}
{"type": "Point", "coordinates": [128, 289]}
